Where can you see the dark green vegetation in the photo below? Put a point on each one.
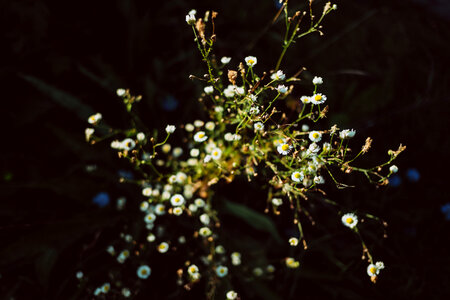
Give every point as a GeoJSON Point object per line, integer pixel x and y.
{"type": "Point", "coordinates": [385, 69]}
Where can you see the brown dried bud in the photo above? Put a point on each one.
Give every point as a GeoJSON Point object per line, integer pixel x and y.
{"type": "Point", "coordinates": [232, 76]}
{"type": "Point", "coordinates": [214, 14]}
{"type": "Point", "coordinates": [200, 26]}
{"type": "Point", "coordinates": [367, 145]}
{"type": "Point", "coordinates": [324, 112]}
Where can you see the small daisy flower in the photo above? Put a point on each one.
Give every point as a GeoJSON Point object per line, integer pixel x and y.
{"type": "Point", "coordinates": [277, 201]}
{"type": "Point", "coordinates": [314, 148]}
{"type": "Point", "coordinates": [151, 237]}
{"type": "Point", "coordinates": [88, 132]}
{"type": "Point", "coordinates": [200, 136]}
{"type": "Point", "coordinates": [116, 144]}
{"type": "Point", "coordinates": [253, 98]}
{"type": "Point", "coordinates": [140, 136]}
{"type": "Point", "coordinates": [207, 158]}
{"type": "Point", "coordinates": [220, 249]}
{"type": "Point", "coordinates": [317, 80]}
{"type": "Point", "coordinates": [143, 206]}
{"type": "Point", "coordinates": [199, 202]}
{"type": "Point", "coordinates": [315, 136]}
{"type": "Point", "coordinates": [293, 241]}
{"type": "Point", "coordinates": [257, 271]}
{"type": "Point", "coordinates": [177, 152]}
{"type": "Point", "coordinates": [204, 218]}
{"type": "Point", "coordinates": [193, 269]}
{"type": "Point", "coordinates": [231, 295]}
{"type": "Point", "coordinates": [210, 126]}
{"type": "Point", "coordinates": [292, 263]}
{"type": "Point", "coordinates": [270, 268]}
{"type": "Point", "coordinates": [111, 250]}
{"type": "Point", "coordinates": [177, 200]}
{"type": "Point", "coordinates": [128, 144]}
{"type": "Point", "coordinates": [166, 148]}
{"type": "Point", "coordinates": [170, 129]}
{"type": "Point", "coordinates": [177, 211]}
{"type": "Point", "coordinates": [163, 247]}
{"type": "Point", "coordinates": [372, 270]}
{"type": "Point", "coordinates": [218, 109]}
{"type": "Point", "coordinates": [240, 91]}
{"type": "Point", "coordinates": [282, 89]}
{"type": "Point", "coordinates": [194, 152]}
{"type": "Point", "coordinates": [347, 134]}
{"type": "Point", "coordinates": [189, 127]}
{"type": "Point", "coordinates": [349, 220]}
{"type": "Point", "coordinates": [150, 218]}
{"type": "Point", "coordinates": [120, 92]}
{"type": "Point", "coordinates": [251, 61]}
{"type": "Point", "coordinates": [254, 110]}
{"type": "Point", "coordinates": [192, 207]}
{"type": "Point", "coordinates": [258, 126]}
{"type": "Point", "coordinates": [94, 119]}
{"type": "Point", "coordinates": [209, 89]}
{"type": "Point", "coordinates": [221, 271]}
{"type": "Point", "coordinates": [160, 209]}
{"type": "Point", "coordinates": [279, 141]}
{"type": "Point", "coordinates": [147, 192]}
{"type": "Point", "coordinates": [284, 149]}
{"type": "Point", "coordinates": [199, 123]}
{"type": "Point", "coordinates": [229, 92]}
{"type": "Point", "coordinates": [326, 147]}
{"type": "Point", "coordinates": [105, 288]}
{"type": "Point", "coordinates": [229, 137]}
{"type": "Point", "coordinates": [236, 258]}
{"type": "Point", "coordinates": [205, 231]}
{"type": "Point", "coordinates": [279, 75]}
{"type": "Point", "coordinates": [296, 177]}
{"type": "Point", "coordinates": [305, 99]}
{"type": "Point", "coordinates": [225, 60]}
{"type": "Point", "coordinates": [334, 6]}
{"type": "Point", "coordinates": [216, 153]}
{"type": "Point", "coordinates": [319, 180]}
{"type": "Point", "coordinates": [144, 272]}
{"type": "Point", "coordinates": [190, 19]}
{"type": "Point", "coordinates": [393, 169]}
{"type": "Point", "coordinates": [180, 177]}
{"type": "Point", "coordinates": [318, 98]}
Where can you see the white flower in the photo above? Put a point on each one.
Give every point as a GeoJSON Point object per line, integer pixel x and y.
{"type": "Point", "coordinates": [147, 192]}
{"type": "Point", "coordinates": [314, 148]}
{"type": "Point", "coordinates": [170, 129]}
{"type": "Point", "coordinates": [284, 148]}
{"type": "Point", "coordinates": [160, 209]}
{"type": "Point", "coordinates": [282, 89]}
{"type": "Point", "coordinates": [199, 202]}
{"type": "Point", "coordinates": [251, 61]}
{"type": "Point", "coordinates": [326, 147]}
{"type": "Point", "coordinates": [177, 200]}
{"type": "Point", "coordinates": [128, 144]}
{"type": "Point", "coordinates": [116, 144]}
{"type": "Point", "coordinates": [292, 263]}
{"type": "Point", "coordinates": [199, 123]}
{"type": "Point", "coordinates": [231, 295]}
{"type": "Point", "coordinates": [120, 92]}
{"type": "Point", "coordinates": [166, 148]}
{"type": "Point", "coordinates": [220, 249]}
{"type": "Point", "coordinates": [218, 109]}
{"type": "Point", "coordinates": [305, 99]}
{"type": "Point", "coordinates": [216, 153]}
{"type": "Point", "coordinates": [208, 89]}
{"type": "Point", "coordinates": [380, 265]}
{"type": "Point", "coordinates": [210, 147]}
{"type": "Point", "coordinates": [393, 169]}
{"type": "Point", "coordinates": [229, 137]}
{"type": "Point", "coordinates": [317, 80]}
{"type": "Point", "coordinates": [190, 19]}
{"type": "Point", "coordinates": [293, 241]}
{"type": "Point", "coordinates": [200, 136]}
{"type": "Point", "coordinates": [143, 206]}
{"type": "Point", "coordinates": [221, 271]}
{"type": "Point", "coordinates": [279, 75]}
{"type": "Point", "coordinates": [143, 272]}
{"type": "Point", "coordinates": [79, 275]}
{"type": "Point", "coordinates": [205, 231]}
{"type": "Point", "coordinates": [177, 152]}
{"type": "Point", "coordinates": [140, 136]}
{"type": "Point", "coordinates": [236, 258]}
{"type": "Point", "coordinates": [253, 97]}
{"type": "Point", "coordinates": [240, 91]}
{"type": "Point", "coordinates": [254, 110]}
{"type": "Point", "coordinates": [270, 268]}
{"type": "Point", "coordinates": [225, 60]}
{"type": "Point", "coordinates": [204, 218]}
{"type": "Point", "coordinates": [349, 220]}
{"type": "Point", "coordinates": [88, 132]}
{"type": "Point", "coordinates": [163, 247]}
{"type": "Point", "coordinates": [318, 98]}
{"type": "Point", "coordinates": [111, 250]}
{"type": "Point", "coordinates": [151, 237]}
{"type": "Point", "coordinates": [150, 218]}
{"type": "Point", "coordinates": [257, 271]}
{"type": "Point", "coordinates": [105, 288]}
{"type": "Point", "coordinates": [193, 270]}
{"type": "Point", "coordinates": [230, 90]}
{"type": "Point", "coordinates": [315, 136]}
{"type": "Point", "coordinates": [94, 119]}
{"type": "Point", "coordinates": [347, 133]}
{"type": "Point", "coordinates": [180, 177]}
{"type": "Point", "coordinates": [334, 6]}
{"type": "Point", "coordinates": [126, 292]}
{"type": "Point", "coordinates": [189, 127]}
{"type": "Point", "coordinates": [258, 126]}
{"type": "Point", "coordinates": [319, 180]}
{"type": "Point", "coordinates": [177, 211]}
{"type": "Point", "coordinates": [277, 201]}
{"type": "Point", "coordinates": [207, 158]}
{"type": "Point", "coordinates": [194, 152]}
{"type": "Point", "coordinates": [210, 125]}
{"type": "Point", "coordinates": [297, 176]}
{"type": "Point", "coordinates": [372, 270]}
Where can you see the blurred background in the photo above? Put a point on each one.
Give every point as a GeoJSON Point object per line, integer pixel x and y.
{"type": "Point", "coordinates": [385, 68]}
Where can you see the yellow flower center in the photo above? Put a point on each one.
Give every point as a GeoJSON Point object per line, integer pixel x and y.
{"type": "Point", "coordinates": [251, 61]}
{"type": "Point", "coordinates": [315, 135]}
{"type": "Point", "coordinates": [373, 270]}
{"type": "Point", "coordinates": [144, 272]}
{"type": "Point", "coordinates": [215, 153]}
{"type": "Point", "coordinates": [192, 269]}
{"type": "Point", "coordinates": [349, 220]}
{"type": "Point", "coordinates": [201, 135]}
{"type": "Point", "coordinates": [317, 97]}
{"type": "Point", "coordinates": [297, 175]}
{"type": "Point", "coordinates": [285, 147]}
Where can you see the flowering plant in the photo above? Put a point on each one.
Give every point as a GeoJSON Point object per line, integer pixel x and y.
{"type": "Point", "coordinates": [246, 136]}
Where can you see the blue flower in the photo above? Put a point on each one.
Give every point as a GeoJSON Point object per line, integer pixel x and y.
{"type": "Point", "coordinates": [445, 210]}
{"type": "Point", "coordinates": [395, 181]}
{"type": "Point", "coordinates": [101, 199]}
{"type": "Point", "coordinates": [413, 174]}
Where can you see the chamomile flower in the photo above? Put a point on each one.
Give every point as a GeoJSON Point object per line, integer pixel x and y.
{"type": "Point", "coordinates": [120, 92]}
{"type": "Point", "coordinates": [123, 256]}
{"type": "Point", "coordinates": [147, 192]}
{"type": "Point", "coordinates": [94, 119]}
{"type": "Point", "coordinates": [116, 144]}
{"type": "Point", "coordinates": [257, 271]}
{"type": "Point", "coordinates": [372, 270]}
{"type": "Point", "coordinates": [279, 141]}
{"type": "Point", "coordinates": [220, 249]}
{"type": "Point", "coordinates": [192, 270]}
{"type": "Point", "coordinates": [208, 89]}
{"type": "Point", "coordinates": [216, 153]}
{"type": "Point", "coordinates": [315, 136]}
{"type": "Point", "coordinates": [305, 127]}
{"type": "Point", "coordinates": [258, 126]}
{"type": "Point", "coordinates": [347, 134]}
{"type": "Point", "coordinates": [229, 92]}
{"type": "Point", "coordinates": [279, 75]}
{"type": "Point", "coordinates": [225, 60]}
{"type": "Point", "coordinates": [253, 110]}
{"type": "Point", "coordinates": [143, 272]}
{"type": "Point", "coordinates": [210, 126]}
{"type": "Point", "coordinates": [151, 237]}
{"type": "Point", "coordinates": [180, 177]}
{"type": "Point", "coordinates": [293, 241]}
{"type": "Point", "coordinates": [221, 271]}
{"type": "Point", "coordinates": [163, 247]}
{"type": "Point", "coordinates": [143, 206]}
{"type": "Point", "coordinates": [314, 148]}
{"type": "Point", "coordinates": [205, 231]}
{"type": "Point", "coordinates": [177, 211]}
{"type": "Point", "coordinates": [235, 258]}
{"type": "Point", "coordinates": [140, 136]}
{"type": "Point", "coordinates": [200, 137]}
{"type": "Point", "coordinates": [240, 91]}
{"type": "Point", "coordinates": [199, 123]}
{"type": "Point", "coordinates": [128, 144]}
{"type": "Point", "coordinates": [126, 292]}
{"type": "Point", "coordinates": [253, 97]}
{"type": "Point", "coordinates": [199, 202]}
{"type": "Point", "coordinates": [349, 220]}
{"type": "Point", "coordinates": [204, 218]}
{"type": "Point", "coordinates": [166, 148]}
{"type": "Point", "coordinates": [229, 137]}
{"type": "Point", "coordinates": [79, 275]}
{"type": "Point", "coordinates": [231, 295]}
{"type": "Point", "coordinates": [207, 158]}
{"type": "Point", "coordinates": [292, 263]}
{"type": "Point", "coordinates": [284, 149]}
{"type": "Point", "coordinates": [177, 152]}
{"type": "Point", "coordinates": [305, 99]}
{"type": "Point", "coordinates": [150, 218]}
{"type": "Point", "coordinates": [189, 127]}
{"type": "Point", "coordinates": [190, 19]}
{"type": "Point", "coordinates": [317, 80]}
{"type": "Point", "coordinates": [296, 176]}
{"type": "Point", "coordinates": [326, 147]}
{"type": "Point", "coordinates": [105, 288]}
{"type": "Point", "coordinates": [251, 61]}
{"type": "Point", "coordinates": [160, 209]}
{"type": "Point", "coordinates": [170, 129]}
{"type": "Point", "coordinates": [177, 200]}
{"type": "Point", "coordinates": [282, 89]}
{"type": "Point", "coordinates": [277, 201]}
{"type": "Point", "coordinates": [194, 152]}
{"type": "Point", "coordinates": [318, 98]}
{"type": "Point", "coordinates": [393, 169]}
{"type": "Point", "coordinates": [319, 180]}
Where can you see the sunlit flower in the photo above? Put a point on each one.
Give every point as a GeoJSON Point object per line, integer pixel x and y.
{"type": "Point", "coordinates": [160, 209]}
{"type": "Point", "coordinates": [216, 153]}
{"type": "Point", "coordinates": [221, 271]}
{"type": "Point", "coordinates": [296, 176]}
{"type": "Point", "coordinates": [314, 148]}
{"type": "Point", "coordinates": [225, 60]}
{"type": "Point", "coordinates": [204, 218]}
{"type": "Point", "coordinates": [270, 268]}
{"type": "Point", "coordinates": [177, 200]}
{"type": "Point", "coordinates": [180, 177]}
{"type": "Point", "coordinates": [147, 192]}
{"type": "Point", "coordinates": [207, 158]}
{"type": "Point", "coordinates": [374, 269]}
{"type": "Point", "coordinates": [79, 275]}
{"type": "Point", "coordinates": [94, 119]}
{"type": "Point", "coordinates": [282, 89]}
{"type": "Point", "coordinates": [318, 98]}
{"type": "Point", "coordinates": [177, 152]}
{"type": "Point", "coordinates": [257, 271]}
{"type": "Point", "coordinates": [317, 80]}
{"type": "Point", "coordinates": [105, 288]}
{"type": "Point", "coordinates": [315, 136]}
{"type": "Point", "coordinates": [279, 75]}
{"type": "Point", "coordinates": [259, 126]}
{"type": "Point", "coordinates": [199, 202]}
{"type": "Point", "coordinates": [200, 136]}
{"type": "Point", "coordinates": [140, 136]}
{"type": "Point", "coordinates": [349, 220]}
{"type": "Point", "coordinates": [326, 147]}
{"type": "Point", "coordinates": [144, 272]}
{"type": "Point", "coordinates": [126, 292]}
{"type": "Point", "coordinates": [253, 97]}
{"type": "Point", "coordinates": [151, 237]}
{"type": "Point", "coordinates": [284, 149]}
{"type": "Point", "coordinates": [163, 247]}
{"type": "Point", "coordinates": [209, 89]}
{"type": "Point", "coordinates": [192, 269]}
{"type": "Point", "coordinates": [279, 141]}
{"type": "Point", "coordinates": [123, 256]}
{"type": "Point", "coordinates": [251, 61]}
{"type": "Point", "coordinates": [170, 129]}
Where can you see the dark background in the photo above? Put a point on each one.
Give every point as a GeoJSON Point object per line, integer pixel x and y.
{"type": "Point", "coordinates": [385, 69]}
